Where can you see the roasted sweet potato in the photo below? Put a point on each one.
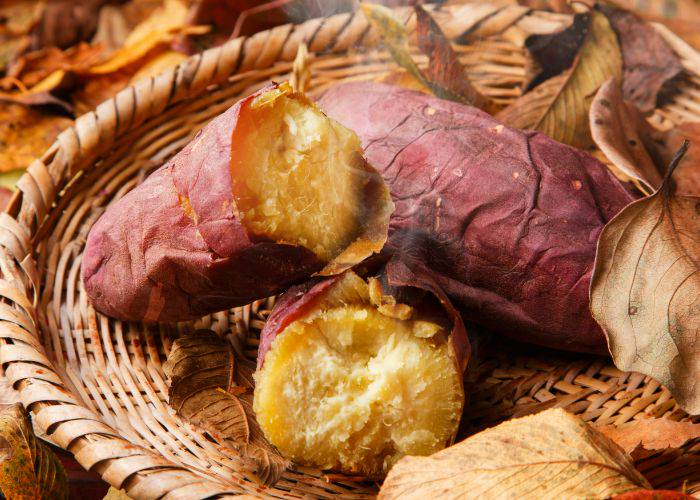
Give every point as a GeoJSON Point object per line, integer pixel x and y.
{"type": "Point", "coordinates": [506, 220]}
{"type": "Point", "coordinates": [351, 378]}
{"type": "Point", "coordinates": [268, 193]}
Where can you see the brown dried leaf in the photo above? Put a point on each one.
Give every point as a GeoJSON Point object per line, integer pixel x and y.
{"type": "Point", "coordinates": [637, 148]}
{"type": "Point", "coordinates": [648, 62]}
{"type": "Point", "coordinates": [201, 369]}
{"type": "Point", "coordinates": [65, 23]}
{"type": "Point", "coordinates": [559, 106]}
{"type": "Point", "coordinates": [35, 66]}
{"type": "Point", "coordinates": [10, 49]}
{"type": "Point", "coordinates": [552, 454]}
{"type": "Point", "coordinates": [445, 73]}
{"type": "Point", "coordinates": [29, 468]}
{"type": "Point", "coordinates": [645, 290]}
{"type": "Point", "coordinates": [651, 434]}
{"type": "Point", "coordinates": [553, 53]}
{"type": "Point", "coordinates": [25, 134]}
{"type": "Point", "coordinates": [204, 377]}
{"type": "Point", "coordinates": [622, 134]}
{"type": "Point", "coordinates": [445, 76]}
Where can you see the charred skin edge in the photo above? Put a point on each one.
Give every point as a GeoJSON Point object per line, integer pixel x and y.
{"type": "Point", "coordinates": [484, 245]}
{"type": "Point", "coordinates": [175, 247]}
{"type": "Point", "coordinates": [303, 301]}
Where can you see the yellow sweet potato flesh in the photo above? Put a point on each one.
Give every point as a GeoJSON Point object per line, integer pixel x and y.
{"type": "Point", "coordinates": [351, 389]}
{"type": "Point", "coordinates": [298, 182]}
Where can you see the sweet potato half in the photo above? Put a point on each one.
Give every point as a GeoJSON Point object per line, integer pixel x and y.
{"type": "Point", "coordinates": [268, 193]}
{"type": "Point", "coordinates": [349, 378]}
{"type": "Point", "coordinates": [506, 220]}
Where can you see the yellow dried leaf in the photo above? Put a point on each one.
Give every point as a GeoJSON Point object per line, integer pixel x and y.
{"type": "Point", "coordinates": [28, 468]}
{"type": "Point", "coordinates": [158, 64]}
{"type": "Point", "coordinates": [550, 455]}
{"type": "Point", "coordinates": [25, 134]}
{"type": "Point", "coordinates": [172, 15]}
{"type": "Point", "coordinates": [131, 54]}
{"type": "Point", "coordinates": [559, 106]}
{"type": "Point", "coordinates": [645, 289]}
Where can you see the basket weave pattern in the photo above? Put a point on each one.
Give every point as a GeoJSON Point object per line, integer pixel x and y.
{"type": "Point", "coordinates": [95, 386]}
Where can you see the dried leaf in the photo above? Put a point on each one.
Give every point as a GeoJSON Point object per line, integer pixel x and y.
{"type": "Point", "coordinates": [204, 377]}
{"type": "Point", "coordinates": [645, 290]}
{"type": "Point", "coordinates": [201, 368]}
{"type": "Point", "coordinates": [29, 468]}
{"type": "Point", "coordinates": [445, 76]}
{"type": "Point", "coordinates": [651, 434]}
{"type": "Point", "coordinates": [158, 64]}
{"type": "Point", "coordinates": [19, 17]}
{"type": "Point", "coordinates": [445, 73]}
{"type": "Point", "coordinates": [65, 23]}
{"type": "Point", "coordinates": [10, 49]}
{"type": "Point", "coordinates": [112, 29]}
{"type": "Point", "coordinates": [25, 134]}
{"type": "Point", "coordinates": [171, 16]}
{"type": "Point", "coordinates": [559, 106]}
{"type": "Point", "coordinates": [648, 62]}
{"type": "Point", "coordinates": [161, 27]}
{"type": "Point", "coordinates": [637, 148]}
{"type": "Point", "coordinates": [553, 53]}
{"type": "Point", "coordinates": [552, 454]}
{"type": "Point", "coordinates": [34, 67]}
{"type": "Point", "coordinates": [621, 133]}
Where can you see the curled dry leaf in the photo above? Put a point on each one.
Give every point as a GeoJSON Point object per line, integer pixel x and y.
{"type": "Point", "coordinates": [559, 106]}
{"type": "Point", "coordinates": [211, 390]}
{"type": "Point", "coordinates": [552, 454]}
{"type": "Point", "coordinates": [64, 23]}
{"type": "Point", "coordinates": [29, 469]}
{"type": "Point", "coordinates": [648, 61]}
{"type": "Point", "coordinates": [445, 75]}
{"type": "Point", "coordinates": [651, 434]}
{"type": "Point", "coordinates": [645, 290]}
{"type": "Point", "coordinates": [622, 134]}
{"type": "Point", "coordinates": [637, 148]}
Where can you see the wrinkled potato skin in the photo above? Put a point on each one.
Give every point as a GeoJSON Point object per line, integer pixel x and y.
{"type": "Point", "coordinates": [147, 259]}
{"type": "Point", "coordinates": [508, 221]}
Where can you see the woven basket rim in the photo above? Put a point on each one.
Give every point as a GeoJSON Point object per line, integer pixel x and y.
{"type": "Point", "coordinates": [75, 152]}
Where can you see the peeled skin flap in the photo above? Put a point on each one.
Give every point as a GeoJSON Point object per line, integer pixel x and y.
{"type": "Point", "coordinates": [344, 384]}
{"type": "Point", "coordinates": [268, 193]}
{"type": "Point", "coordinates": [506, 220]}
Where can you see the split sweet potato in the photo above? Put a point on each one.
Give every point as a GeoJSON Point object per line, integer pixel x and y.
{"type": "Point", "coordinates": [353, 374]}
{"type": "Point", "coordinates": [506, 220]}
{"type": "Point", "coordinates": [268, 193]}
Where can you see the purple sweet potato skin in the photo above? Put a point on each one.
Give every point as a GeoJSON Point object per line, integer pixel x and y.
{"type": "Point", "coordinates": [147, 258]}
{"type": "Point", "coordinates": [507, 220]}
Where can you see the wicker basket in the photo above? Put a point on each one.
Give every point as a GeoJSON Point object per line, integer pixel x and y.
{"type": "Point", "coordinates": [95, 386]}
